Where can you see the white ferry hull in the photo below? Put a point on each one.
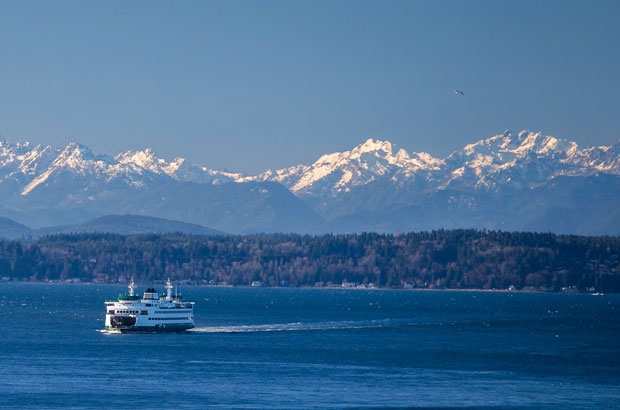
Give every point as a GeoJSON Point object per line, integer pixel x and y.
{"type": "Point", "coordinates": [167, 328]}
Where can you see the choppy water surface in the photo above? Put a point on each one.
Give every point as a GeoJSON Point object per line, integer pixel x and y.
{"type": "Point", "coordinates": [307, 349]}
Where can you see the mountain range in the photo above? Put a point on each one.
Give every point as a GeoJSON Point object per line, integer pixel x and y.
{"type": "Point", "coordinates": [522, 181]}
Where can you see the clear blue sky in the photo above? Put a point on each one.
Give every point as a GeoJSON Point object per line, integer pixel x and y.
{"type": "Point", "coordinates": [252, 85]}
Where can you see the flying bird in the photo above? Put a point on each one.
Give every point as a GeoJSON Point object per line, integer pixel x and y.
{"type": "Point", "coordinates": [459, 92]}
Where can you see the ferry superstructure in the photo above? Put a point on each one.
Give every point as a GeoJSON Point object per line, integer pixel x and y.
{"type": "Point", "coordinates": [149, 313]}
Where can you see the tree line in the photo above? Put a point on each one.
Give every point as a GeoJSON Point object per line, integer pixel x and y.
{"type": "Point", "coordinates": [460, 259]}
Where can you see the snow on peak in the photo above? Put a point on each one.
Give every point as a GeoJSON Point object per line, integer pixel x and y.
{"type": "Point", "coordinates": [525, 159]}
{"type": "Point", "coordinates": [372, 145]}
{"type": "Point", "coordinates": [144, 158]}
{"type": "Point", "coordinates": [75, 155]}
{"type": "Point", "coordinates": [507, 145]}
{"type": "Point", "coordinates": [20, 161]}
{"type": "Point", "coordinates": [76, 158]}
{"type": "Point", "coordinates": [340, 171]}
{"type": "Point", "coordinates": [179, 168]}
{"type": "Point", "coordinates": [147, 160]}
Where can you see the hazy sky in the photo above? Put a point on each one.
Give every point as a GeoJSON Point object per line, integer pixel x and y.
{"type": "Point", "coordinates": [252, 85]}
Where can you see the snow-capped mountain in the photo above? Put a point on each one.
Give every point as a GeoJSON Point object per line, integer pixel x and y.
{"type": "Point", "coordinates": [341, 171]}
{"type": "Point", "coordinates": [20, 162]}
{"type": "Point", "coordinates": [347, 182]}
{"type": "Point", "coordinates": [529, 157]}
{"type": "Point", "coordinates": [45, 186]}
{"type": "Point", "coordinates": [178, 169]}
{"type": "Point", "coordinates": [350, 181]}
{"type": "Point", "coordinates": [363, 188]}
{"type": "Point", "coordinates": [523, 160]}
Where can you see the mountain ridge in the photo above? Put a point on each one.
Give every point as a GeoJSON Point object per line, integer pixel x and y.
{"type": "Point", "coordinates": [498, 151]}
{"type": "Point", "coordinates": [47, 185]}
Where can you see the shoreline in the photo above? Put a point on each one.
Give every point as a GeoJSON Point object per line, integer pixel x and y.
{"type": "Point", "coordinates": [324, 288]}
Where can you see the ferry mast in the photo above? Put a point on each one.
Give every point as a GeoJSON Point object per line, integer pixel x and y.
{"type": "Point", "coordinates": [169, 288]}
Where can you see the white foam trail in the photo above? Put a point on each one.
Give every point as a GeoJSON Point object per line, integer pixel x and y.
{"type": "Point", "coordinates": [297, 326]}
{"type": "Point", "coordinates": [108, 331]}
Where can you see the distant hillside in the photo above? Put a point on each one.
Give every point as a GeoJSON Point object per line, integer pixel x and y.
{"type": "Point", "coordinates": [130, 224]}
{"type": "Point", "coordinates": [117, 224]}
{"type": "Point", "coordinates": [13, 230]}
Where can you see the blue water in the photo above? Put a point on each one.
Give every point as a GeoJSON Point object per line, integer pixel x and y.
{"type": "Point", "coordinates": [307, 349]}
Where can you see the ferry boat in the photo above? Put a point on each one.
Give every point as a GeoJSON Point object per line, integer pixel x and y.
{"type": "Point", "coordinates": [150, 313]}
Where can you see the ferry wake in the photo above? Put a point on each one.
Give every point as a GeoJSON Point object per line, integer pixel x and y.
{"type": "Point", "coordinates": [150, 313]}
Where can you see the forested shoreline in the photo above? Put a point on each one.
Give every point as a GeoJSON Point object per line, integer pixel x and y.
{"type": "Point", "coordinates": [455, 259]}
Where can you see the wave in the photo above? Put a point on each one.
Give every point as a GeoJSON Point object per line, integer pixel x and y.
{"type": "Point", "coordinates": [296, 326]}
